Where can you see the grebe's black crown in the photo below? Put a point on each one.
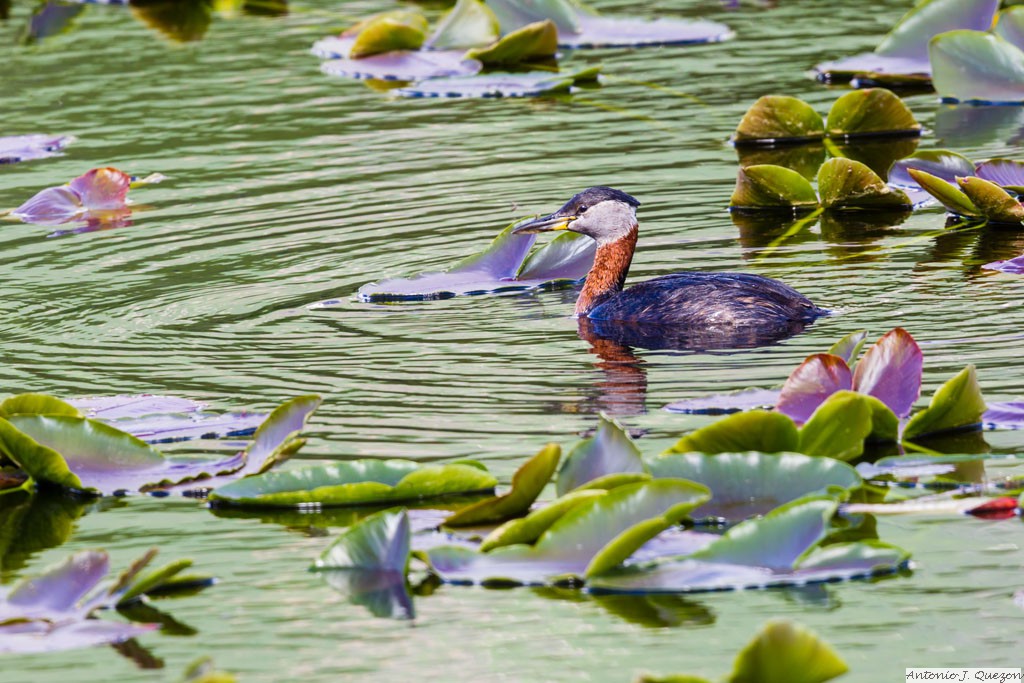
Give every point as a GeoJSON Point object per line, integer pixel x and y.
{"type": "Point", "coordinates": [593, 196]}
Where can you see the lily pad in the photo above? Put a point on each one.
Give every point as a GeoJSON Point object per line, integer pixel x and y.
{"type": "Point", "coordinates": [1014, 265]}
{"type": "Point", "coordinates": [871, 112]}
{"type": "Point", "coordinates": [977, 67]}
{"type": "Point", "coordinates": [379, 542]}
{"type": "Point", "coordinates": [609, 451]}
{"type": "Point", "coordinates": [532, 42]}
{"type": "Point", "coordinates": [1003, 172]}
{"type": "Point", "coordinates": [995, 203]}
{"type": "Point", "coordinates": [938, 163]}
{"type": "Point", "coordinates": [720, 404]}
{"type": "Point", "coordinates": [848, 185]}
{"type": "Point", "coordinates": [515, 14]}
{"type": "Point", "coordinates": [772, 187]}
{"type": "Point", "coordinates": [599, 32]}
{"type": "Point", "coordinates": [357, 482]}
{"type": "Point", "coordinates": [592, 537]}
{"type": "Point", "coordinates": [37, 404]}
{"type": "Point", "coordinates": [469, 24]}
{"type": "Point", "coordinates": [528, 529]}
{"type": "Point", "coordinates": [1010, 26]}
{"type": "Point", "coordinates": [775, 119]}
{"type": "Point", "coordinates": [891, 371]}
{"type": "Point", "coordinates": [399, 66]}
{"type": "Point", "coordinates": [16, 148]}
{"type": "Point", "coordinates": [389, 32]}
{"type": "Point", "coordinates": [747, 484]}
{"type": "Point", "coordinates": [756, 430]}
{"type": "Point", "coordinates": [948, 195]}
{"type": "Point", "coordinates": [1006, 415]}
{"type": "Point", "coordinates": [957, 404]}
{"type": "Point", "coordinates": [527, 483]}
{"type": "Point", "coordinates": [813, 381]}
{"type": "Point", "coordinates": [784, 652]}
{"type": "Point", "coordinates": [99, 193]}
{"type": "Point", "coordinates": [528, 84]}
{"type": "Point", "coordinates": [838, 428]}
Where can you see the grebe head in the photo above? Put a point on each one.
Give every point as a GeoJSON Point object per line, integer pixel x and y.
{"type": "Point", "coordinates": [600, 212]}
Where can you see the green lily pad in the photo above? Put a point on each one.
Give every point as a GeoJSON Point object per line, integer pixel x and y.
{"type": "Point", "coordinates": [778, 118]}
{"type": "Point", "coordinates": [469, 24]}
{"type": "Point", "coordinates": [871, 112]}
{"type": "Point", "coordinates": [356, 482]}
{"type": "Point", "coordinates": [609, 451]}
{"type": "Point", "coordinates": [528, 529]}
{"type": "Point", "coordinates": [514, 14]}
{"type": "Point", "coordinates": [755, 430]}
{"type": "Point", "coordinates": [608, 482]}
{"type": "Point", "coordinates": [995, 203]}
{"type": "Point", "coordinates": [388, 32]}
{"type": "Point", "coordinates": [532, 42]}
{"type": "Point", "coordinates": [805, 159]}
{"type": "Point", "coordinates": [976, 66]}
{"type": "Point", "coordinates": [948, 195]}
{"type": "Point", "coordinates": [784, 652]}
{"type": "Point", "coordinates": [957, 404]}
{"type": "Point", "coordinates": [847, 185]}
{"type": "Point", "coordinates": [37, 404]}
{"type": "Point", "coordinates": [749, 484]}
{"type": "Point", "coordinates": [772, 187]}
{"type": "Point", "coordinates": [838, 427]}
{"type": "Point", "coordinates": [848, 348]}
{"type": "Point", "coordinates": [527, 483]}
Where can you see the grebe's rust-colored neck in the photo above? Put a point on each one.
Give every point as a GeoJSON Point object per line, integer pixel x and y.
{"type": "Point", "coordinates": [611, 264]}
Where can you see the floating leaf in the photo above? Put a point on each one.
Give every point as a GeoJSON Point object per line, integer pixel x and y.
{"type": "Point", "coordinates": [277, 437]}
{"type": "Point", "coordinates": [838, 427]}
{"type": "Point", "coordinates": [469, 24]}
{"type": "Point", "coordinates": [973, 66]}
{"type": "Point", "coordinates": [387, 32]}
{"type": "Point", "coordinates": [609, 451]}
{"type": "Point", "coordinates": [948, 195]}
{"type": "Point", "coordinates": [1014, 265]}
{"type": "Point", "coordinates": [598, 31]}
{"type": "Point", "coordinates": [528, 84]}
{"type": "Point", "coordinates": [515, 14]}
{"type": "Point", "coordinates": [911, 35]}
{"type": "Point", "coordinates": [532, 42]}
{"type": "Point", "coordinates": [749, 484]}
{"type": "Point", "coordinates": [772, 187]}
{"type": "Point", "coordinates": [938, 163]}
{"type": "Point", "coordinates": [813, 381]}
{"type": "Point", "coordinates": [784, 652]}
{"type": "Point", "coordinates": [891, 371]}
{"type": "Point", "coordinates": [528, 529]}
{"type": "Point", "coordinates": [778, 118]}
{"type": "Point", "coordinates": [99, 193]}
{"type": "Point", "coordinates": [757, 430]}
{"type": "Point", "coordinates": [1003, 172]}
{"type": "Point", "coordinates": [357, 482]}
{"type": "Point", "coordinates": [527, 483]}
{"type": "Point", "coordinates": [378, 542]}
{"type": "Point", "coordinates": [957, 404]}
{"type": "Point", "coordinates": [848, 348]}
{"type": "Point", "coordinates": [139, 405]}
{"type": "Point", "coordinates": [879, 68]}
{"type": "Point", "coordinates": [1008, 415]}
{"type": "Point", "coordinates": [994, 202]}
{"type": "Point", "coordinates": [569, 256]}
{"type": "Point", "coordinates": [1010, 26]}
{"type": "Point", "coordinates": [593, 535]}
{"type": "Point", "coordinates": [37, 404]}
{"type": "Point", "coordinates": [846, 185]}
{"type": "Point", "coordinates": [400, 66]}
{"type": "Point", "coordinates": [17, 148]}
{"type": "Point", "coordinates": [726, 403]}
{"type": "Point", "coordinates": [871, 111]}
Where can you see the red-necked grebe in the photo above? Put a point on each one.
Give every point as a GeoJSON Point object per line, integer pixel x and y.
{"type": "Point", "coordinates": [693, 300]}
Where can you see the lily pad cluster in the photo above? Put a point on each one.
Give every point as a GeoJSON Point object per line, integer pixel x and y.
{"type": "Point", "coordinates": [477, 36]}
{"type": "Point", "coordinates": [51, 443]}
{"type": "Point", "coordinates": [99, 195]}
{"type": "Point", "coordinates": [844, 183]}
{"type": "Point", "coordinates": [966, 49]}
{"type": "Point", "coordinates": [55, 610]}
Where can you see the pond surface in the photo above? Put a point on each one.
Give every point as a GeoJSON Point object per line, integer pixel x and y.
{"type": "Point", "coordinates": [286, 187]}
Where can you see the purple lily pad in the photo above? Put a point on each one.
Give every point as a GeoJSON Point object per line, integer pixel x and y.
{"type": "Point", "coordinates": [813, 381]}
{"type": "Point", "coordinates": [876, 64]}
{"type": "Point", "coordinates": [1008, 415]}
{"type": "Point", "coordinates": [891, 371]}
{"type": "Point", "coordinates": [139, 405]}
{"type": "Point", "coordinates": [1002, 172]}
{"type": "Point", "coordinates": [1014, 265]}
{"type": "Point", "coordinates": [34, 637]}
{"type": "Point", "coordinates": [404, 66]}
{"type": "Point", "coordinates": [939, 163]}
{"type": "Point", "coordinates": [98, 194]}
{"type": "Point", "coordinates": [26, 147]}
{"type": "Point", "coordinates": [600, 31]}
{"type": "Point", "coordinates": [530, 84]}
{"type": "Point", "coordinates": [166, 419]}
{"type": "Point", "coordinates": [672, 542]}
{"type": "Point", "coordinates": [720, 404]}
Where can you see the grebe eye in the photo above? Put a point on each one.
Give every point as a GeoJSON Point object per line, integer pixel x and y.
{"type": "Point", "coordinates": [581, 209]}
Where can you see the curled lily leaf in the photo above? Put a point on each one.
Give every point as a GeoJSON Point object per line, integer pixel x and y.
{"type": "Point", "coordinates": [777, 119]}
{"type": "Point", "coordinates": [995, 203]}
{"type": "Point", "coordinates": [99, 193]}
{"type": "Point", "coordinates": [772, 187]}
{"type": "Point", "coordinates": [848, 185]}
{"type": "Point", "coordinates": [527, 483]}
{"type": "Point", "coordinates": [977, 67]}
{"type": "Point", "coordinates": [871, 112]}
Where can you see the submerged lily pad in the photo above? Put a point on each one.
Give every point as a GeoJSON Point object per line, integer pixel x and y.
{"type": "Point", "coordinates": [609, 452]}
{"type": "Point", "coordinates": [469, 24]}
{"type": "Point", "coordinates": [957, 404]}
{"type": "Point", "coordinates": [357, 482]}
{"type": "Point", "coordinates": [871, 112]}
{"type": "Point", "coordinates": [16, 148]}
{"type": "Point", "coordinates": [995, 203]}
{"type": "Point", "coordinates": [530, 43]}
{"type": "Point", "coordinates": [527, 483]}
{"type": "Point", "coordinates": [772, 187]}
{"type": "Point", "coordinates": [747, 484]}
{"type": "Point", "coordinates": [977, 67]}
{"type": "Point", "coordinates": [777, 119]}
{"type": "Point", "coordinates": [847, 185]}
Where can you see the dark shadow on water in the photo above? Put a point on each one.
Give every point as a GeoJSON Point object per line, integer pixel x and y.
{"type": "Point", "coordinates": [878, 155]}
{"type": "Point", "coordinates": [804, 159]}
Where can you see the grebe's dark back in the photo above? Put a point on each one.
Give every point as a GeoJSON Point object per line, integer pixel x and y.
{"type": "Point", "coordinates": [692, 299]}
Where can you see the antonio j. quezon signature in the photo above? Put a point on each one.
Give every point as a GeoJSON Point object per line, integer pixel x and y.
{"type": "Point", "coordinates": [988, 675]}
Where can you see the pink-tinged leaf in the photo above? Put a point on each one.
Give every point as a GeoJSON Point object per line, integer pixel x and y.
{"type": "Point", "coordinates": [996, 508]}
{"type": "Point", "coordinates": [719, 404]}
{"type": "Point", "coordinates": [51, 206]}
{"type": "Point", "coordinates": [1014, 265]}
{"type": "Point", "coordinates": [17, 148]}
{"type": "Point", "coordinates": [807, 387]}
{"type": "Point", "coordinates": [891, 371]}
{"type": "Point", "coordinates": [1009, 415]}
{"type": "Point", "coordinates": [102, 189]}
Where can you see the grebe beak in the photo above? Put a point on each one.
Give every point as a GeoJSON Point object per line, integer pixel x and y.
{"type": "Point", "coordinates": [544, 224]}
